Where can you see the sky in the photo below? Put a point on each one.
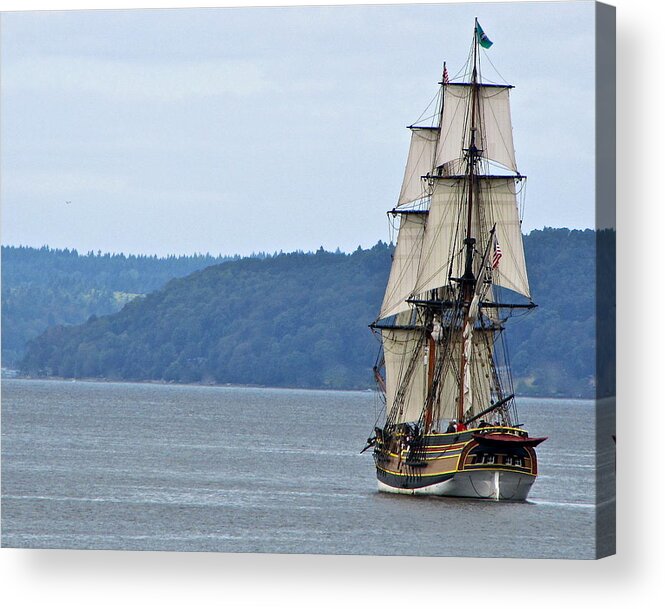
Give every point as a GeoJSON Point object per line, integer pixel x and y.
{"type": "Point", "coordinates": [238, 130]}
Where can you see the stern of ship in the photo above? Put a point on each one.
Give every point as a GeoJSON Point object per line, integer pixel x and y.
{"type": "Point", "coordinates": [495, 463]}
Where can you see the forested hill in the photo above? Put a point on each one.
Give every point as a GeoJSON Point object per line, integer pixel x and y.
{"type": "Point", "coordinates": [300, 320]}
{"type": "Point", "coordinates": [292, 320]}
{"type": "Point", "coordinates": [44, 287]}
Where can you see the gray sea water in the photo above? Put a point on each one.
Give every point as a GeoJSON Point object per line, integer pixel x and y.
{"type": "Point", "coordinates": [185, 468]}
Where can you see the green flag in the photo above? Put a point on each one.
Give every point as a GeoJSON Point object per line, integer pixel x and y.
{"type": "Point", "coordinates": [483, 40]}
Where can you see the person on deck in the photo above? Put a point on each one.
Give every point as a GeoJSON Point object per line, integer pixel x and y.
{"type": "Point", "coordinates": [461, 426]}
{"type": "Point", "coordinates": [452, 427]}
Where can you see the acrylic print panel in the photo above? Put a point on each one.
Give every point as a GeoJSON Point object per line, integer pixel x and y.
{"type": "Point", "coordinates": [194, 243]}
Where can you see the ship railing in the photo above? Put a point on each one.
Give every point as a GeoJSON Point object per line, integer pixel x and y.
{"type": "Point", "coordinates": [512, 431]}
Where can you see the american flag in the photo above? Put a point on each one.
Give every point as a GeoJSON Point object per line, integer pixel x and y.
{"type": "Point", "coordinates": [497, 253]}
{"type": "Point", "coordinates": [445, 75]}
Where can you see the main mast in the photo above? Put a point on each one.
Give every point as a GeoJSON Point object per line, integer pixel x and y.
{"type": "Point", "coordinates": [468, 280]}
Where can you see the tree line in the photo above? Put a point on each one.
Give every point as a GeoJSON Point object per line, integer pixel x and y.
{"type": "Point", "coordinates": [45, 287]}
{"type": "Point", "coordinates": [300, 320]}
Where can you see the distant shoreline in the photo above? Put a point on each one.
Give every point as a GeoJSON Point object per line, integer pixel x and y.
{"type": "Point", "coordinates": [19, 377]}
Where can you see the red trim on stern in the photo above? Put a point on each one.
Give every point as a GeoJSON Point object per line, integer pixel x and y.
{"type": "Point", "coordinates": [504, 439]}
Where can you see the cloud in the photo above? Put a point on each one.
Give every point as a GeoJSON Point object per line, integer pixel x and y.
{"type": "Point", "coordinates": [133, 81]}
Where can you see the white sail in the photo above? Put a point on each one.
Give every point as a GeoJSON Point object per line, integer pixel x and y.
{"type": "Point", "coordinates": [443, 239]}
{"type": "Point", "coordinates": [440, 236]}
{"type": "Point", "coordinates": [477, 383]}
{"type": "Point", "coordinates": [495, 137]}
{"type": "Point", "coordinates": [446, 407]}
{"type": "Point", "coordinates": [419, 163]}
{"type": "Point", "coordinates": [480, 373]}
{"type": "Point", "coordinates": [404, 269]}
{"type": "Point", "coordinates": [500, 207]}
{"type": "Point", "coordinates": [399, 347]}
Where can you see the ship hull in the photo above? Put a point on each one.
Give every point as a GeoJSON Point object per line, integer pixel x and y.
{"type": "Point", "coordinates": [493, 485]}
{"type": "Point", "coordinates": [497, 464]}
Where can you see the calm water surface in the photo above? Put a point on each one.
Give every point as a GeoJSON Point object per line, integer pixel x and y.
{"type": "Point", "coordinates": [183, 468]}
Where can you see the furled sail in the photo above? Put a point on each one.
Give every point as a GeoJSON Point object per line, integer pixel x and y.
{"type": "Point", "coordinates": [419, 163]}
{"type": "Point", "coordinates": [404, 269]}
{"type": "Point", "coordinates": [480, 374]}
{"type": "Point", "coordinates": [495, 138]}
{"type": "Point", "coordinates": [400, 347]}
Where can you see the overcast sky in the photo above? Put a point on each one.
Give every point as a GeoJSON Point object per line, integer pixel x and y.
{"type": "Point", "coordinates": [263, 129]}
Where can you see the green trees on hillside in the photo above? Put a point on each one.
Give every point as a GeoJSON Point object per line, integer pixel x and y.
{"type": "Point", "coordinates": [301, 319]}
{"type": "Point", "coordinates": [295, 319]}
{"type": "Point", "coordinates": [45, 287]}
{"type": "Point", "coordinates": [552, 348]}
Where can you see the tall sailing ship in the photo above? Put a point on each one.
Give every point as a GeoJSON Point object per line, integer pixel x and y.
{"type": "Point", "coordinates": [458, 273]}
